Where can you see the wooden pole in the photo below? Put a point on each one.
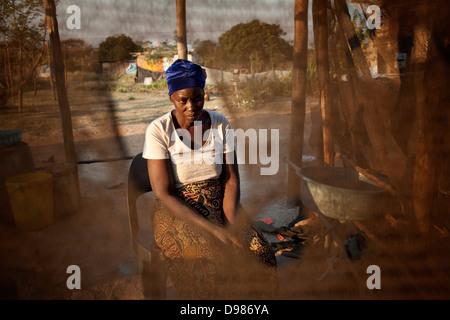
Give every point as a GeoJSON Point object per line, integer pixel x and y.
{"type": "Point", "coordinates": [181, 29]}
{"type": "Point", "coordinates": [298, 98]}
{"type": "Point", "coordinates": [321, 42]}
{"type": "Point", "coordinates": [63, 101]}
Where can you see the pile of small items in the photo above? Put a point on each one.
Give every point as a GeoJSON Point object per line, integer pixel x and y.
{"type": "Point", "coordinates": [300, 230]}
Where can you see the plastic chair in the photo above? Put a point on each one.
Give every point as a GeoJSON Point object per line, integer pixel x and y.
{"type": "Point", "coordinates": [151, 268]}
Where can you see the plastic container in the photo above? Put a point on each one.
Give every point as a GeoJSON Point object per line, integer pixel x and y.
{"type": "Point", "coordinates": [31, 197]}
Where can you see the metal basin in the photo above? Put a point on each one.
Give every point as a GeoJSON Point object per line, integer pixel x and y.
{"type": "Point", "coordinates": [342, 193]}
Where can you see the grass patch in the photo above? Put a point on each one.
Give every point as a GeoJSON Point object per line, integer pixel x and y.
{"type": "Point", "coordinates": [252, 92]}
{"type": "Point", "coordinates": [123, 90]}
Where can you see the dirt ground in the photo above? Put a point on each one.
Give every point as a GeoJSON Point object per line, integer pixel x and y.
{"type": "Point", "coordinates": [97, 236]}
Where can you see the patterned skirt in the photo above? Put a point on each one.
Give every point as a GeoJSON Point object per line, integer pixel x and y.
{"type": "Point", "coordinates": [198, 265]}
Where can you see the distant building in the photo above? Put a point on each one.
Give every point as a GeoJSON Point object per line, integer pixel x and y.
{"type": "Point", "coordinates": [155, 70]}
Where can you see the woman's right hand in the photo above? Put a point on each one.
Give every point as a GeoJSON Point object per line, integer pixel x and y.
{"type": "Point", "coordinates": [226, 237]}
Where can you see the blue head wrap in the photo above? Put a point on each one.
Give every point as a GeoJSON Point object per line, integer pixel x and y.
{"type": "Point", "coordinates": [183, 74]}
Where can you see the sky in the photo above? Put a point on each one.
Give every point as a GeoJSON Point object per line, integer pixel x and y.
{"type": "Point", "coordinates": [155, 20]}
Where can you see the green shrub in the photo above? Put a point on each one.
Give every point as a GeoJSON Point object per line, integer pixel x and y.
{"type": "Point", "coordinates": [123, 90]}
{"type": "Point", "coordinates": [140, 89]}
{"type": "Point", "coordinates": [312, 82]}
{"type": "Point", "coordinates": [160, 84]}
{"type": "Point", "coordinates": [252, 92]}
{"type": "Point", "coordinates": [125, 78]}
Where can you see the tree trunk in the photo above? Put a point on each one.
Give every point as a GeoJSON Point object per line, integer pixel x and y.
{"type": "Point", "coordinates": [11, 82]}
{"type": "Point", "coordinates": [20, 77]}
{"type": "Point", "coordinates": [298, 99]}
{"type": "Point", "coordinates": [35, 75]}
{"type": "Point", "coordinates": [34, 65]}
{"type": "Point", "coordinates": [181, 29]}
{"type": "Point", "coordinates": [405, 111]}
{"type": "Point", "coordinates": [433, 101]}
{"type": "Point", "coordinates": [63, 101]}
{"type": "Point", "coordinates": [35, 82]}
{"type": "Point", "coordinates": [50, 72]}
{"type": "Point", "coordinates": [321, 41]}
{"type": "Point", "coordinates": [5, 60]}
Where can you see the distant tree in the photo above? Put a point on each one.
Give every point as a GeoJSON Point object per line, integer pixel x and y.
{"type": "Point", "coordinates": [117, 47]}
{"type": "Point", "coordinates": [207, 52]}
{"type": "Point", "coordinates": [80, 56]}
{"type": "Point", "coordinates": [22, 31]}
{"type": "Point", "coordinates": [255, 45]}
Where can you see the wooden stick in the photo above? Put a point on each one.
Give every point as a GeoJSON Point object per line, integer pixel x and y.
{"type": "Point", "coordinates": [364, 229]}
{"type": "Point", "coordinates": [292, 164]}
{"type": "Point", "coordinates": [382, 184]}
{"type": "Point", "coordinates": [365, 172]}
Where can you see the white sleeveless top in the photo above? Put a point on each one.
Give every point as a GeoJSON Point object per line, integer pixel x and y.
{"type": "Point", "coordinates": [163, 141]}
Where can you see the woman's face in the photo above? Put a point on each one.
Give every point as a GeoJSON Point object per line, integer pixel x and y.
{"type": "Point", "coordinates": [188, 104]}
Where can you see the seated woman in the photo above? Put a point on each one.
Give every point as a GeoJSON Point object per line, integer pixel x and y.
{"type": "Point", "coordinates": [194, 176]}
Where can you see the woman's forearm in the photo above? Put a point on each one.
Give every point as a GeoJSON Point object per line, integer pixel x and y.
{"type": "Point", "coordinates": [231, 186]}
{"type": "Point", "coordinates": [231, 199]}
{"type": "Point", "coordinates": [182, 211]}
